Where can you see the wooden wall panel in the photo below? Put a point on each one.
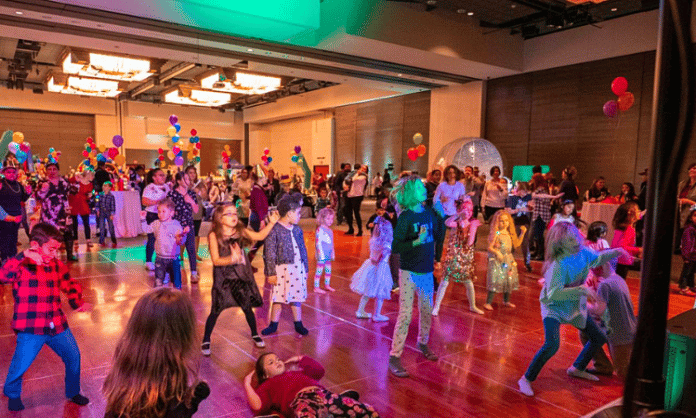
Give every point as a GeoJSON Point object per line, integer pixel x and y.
{"type": "Point", "coordinates": [211, 156]}
{"type": "Point", "coordinates": [643, 150]}
{"type": "Point", "coordinates": [66, 132]}
{"type": "Point", "coordinates": [345, 135]}
{"type": "Point", "coordinates": [416, 120]}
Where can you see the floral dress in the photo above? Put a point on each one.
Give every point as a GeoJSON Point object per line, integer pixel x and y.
{"type": "Point", "coordinates": [502, 276]}
{"type": "Point", "coordinates": [459, 261]}
{"type": "Point", "coordinates": [54, 204]}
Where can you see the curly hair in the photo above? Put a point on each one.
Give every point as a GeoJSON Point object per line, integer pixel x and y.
{"type": "Point", "coordinates": [494, 226]}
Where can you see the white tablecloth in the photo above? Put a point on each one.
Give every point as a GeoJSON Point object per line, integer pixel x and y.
{"type": "Point", "coordinates": [592, 212]}
{"type": "Point", "coordinates": [127, 217]}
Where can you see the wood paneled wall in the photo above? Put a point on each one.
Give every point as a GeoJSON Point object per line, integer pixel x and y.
{"type": "Point", "coordinates": [211, 155]}
{"type": "Point", "coordinates": [66, 132]}
{"type": "Point", "coordinates": [380, 132]}
{"type": "Point", "coordinates": [555, 117]}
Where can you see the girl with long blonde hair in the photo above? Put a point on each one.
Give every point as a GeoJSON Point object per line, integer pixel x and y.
{"type": "Point", "coordinates": [155, 365]}
{"type": "Point", "coordinates": [233, 279]}
{"type": "Point", "coordinates": [502, 267]}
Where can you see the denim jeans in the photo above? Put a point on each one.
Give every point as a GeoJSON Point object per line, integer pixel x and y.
{"type": "Point", "coordinates": [191, 249]}
{"type": "Point", "coordinates": [552, 341]}
{"type": "Point", "coordinates": [168, 265]}
{"type": "Point", "coordinates": [103, 220]}
{"type": "Point", "coordinates": [28, 347]}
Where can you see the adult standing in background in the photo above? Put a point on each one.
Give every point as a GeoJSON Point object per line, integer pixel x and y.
{"type": "Point", "coordinates": [258, 205]}
{"type": "Point", "coordinates": [377, 184]}
{"type": "Point", "coordinates": [272, 187]}
{"type": "Point", "coordinates": [687, 198]}
{"type": "Point", "coordinates": [642, 196]}
{"type": "Point", "coordinates": [356, 186]}
{"type": "Point", "coordinates": [473, 187]}
{"type": "Point", "coordinates": [201, 191]}
{"type": "Point", "coordinates": [100, 176]}
{"type": "Point", "coordinates": [495, 193]}
{"type": "Point", "coordinates": [386, 179]}
{"type": "Point", "coordinates": [79, 203]}
{"type": "Point", "coordinates": [185, 203]}
{"type": "Point", "coordinates": [340, 193]}
{"type": "Point", "coordinates": [12, 195]}
{"type": "Point", "coordinates": [448, 193]}
{"type": "Point", "coordinates": [53, 193]}
{"type": "Point", "coordinates": [568, 187]}
{"type": "Point", "coordinates": [434, 178]}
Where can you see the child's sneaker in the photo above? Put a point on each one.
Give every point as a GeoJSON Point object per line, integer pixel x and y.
{"type": "Point", "coordinates": [362, 315]}
{"type": "Point", "coordinates": [79, 400]}
{"type": "Point", "coordinates": [380, 318]}
{"type": "Point", "coordinates": [15, 404]}
{"type": "Point", "coordinates": [258, 342]}
{"type": "Point", "coordinates": [150, 266]}
{"type": "Point", "coordinates": [205, 349]}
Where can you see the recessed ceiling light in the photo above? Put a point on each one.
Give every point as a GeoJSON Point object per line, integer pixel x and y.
{"type": "Point", "coordinates": [250, 50]}
{"type": "Point", "coordinates": [461, 11]}
{"type": "Point", "coordinates": [470, 14]}
{"type": "Point", "coordinates": [613, 9]}
{"type": "Point", "coordinates": [431, 2]}
{"type": "Point", "coordinates": [19, 13]}
{"type": "Point", "coordinates": [513, 6]}
{"type": "Point", "coordinates": [400, 75]}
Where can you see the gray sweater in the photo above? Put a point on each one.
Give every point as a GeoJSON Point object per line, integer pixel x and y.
{"type": "Point", "coordinates": [277, 248]}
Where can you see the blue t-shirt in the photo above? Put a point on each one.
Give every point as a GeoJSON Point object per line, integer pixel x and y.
{"type": "Point", "coordinates": [411, 226]}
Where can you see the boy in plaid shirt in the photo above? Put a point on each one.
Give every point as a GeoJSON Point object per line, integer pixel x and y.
{"type": "Point", "coordinates": [37, 278]}
{"type": "Point", "coordinates": [105, 213]}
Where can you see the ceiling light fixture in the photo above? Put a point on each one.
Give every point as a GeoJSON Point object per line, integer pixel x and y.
{"type": "Point", "coordinates": [239, 82]}
{"type": "Point", "coordinates": [431, 2]}
{"type": "Point", "coordinates": [189, 95]}
{"type": "Point", "coordinates": [470, 14]}
{"type": "Point", "coordinates": [461, 11]}
{"type": "Point", "coordinates": [613, 9]}
{"type": "Point", "coordinates": [110, 67]}
{"type": "Point", "coordinates": [250, 50]}
{"type": "Point", "coordinates": [19, 13]}
{"type": "Point", "coordinates": [83, 86]}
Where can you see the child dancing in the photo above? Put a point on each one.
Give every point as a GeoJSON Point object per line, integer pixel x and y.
{"type": "Point", "coordinates": [285, 264]}
{"type": "Point", "coordinates": [459, 261]}
{"type": "Point", "coordinates": [502, 267]}
{"type": "Point", "coordinates": [155, 367]}
{"type": "Point", "coordinates": [233, 280]}
{"type": "Point", "coordinates": [324, 249]}
{"type": "Point", "coordinates": [417, 229]}
{"type": "Point", "coordinates": [373, 279]}
{"type": "Point", "coordinates": [37, 278]}
{"type": "Point", "coordinates": [298, 393]}
{"type": "Point", "coordinates": [564, 300]}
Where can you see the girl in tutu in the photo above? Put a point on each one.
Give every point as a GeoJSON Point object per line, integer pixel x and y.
{"type": "Point", "coordinates": [373, 279]}
{"type": "Point", "coordinates": [502, 267]}
{"type": "Point", "coordinates": [459, 261]}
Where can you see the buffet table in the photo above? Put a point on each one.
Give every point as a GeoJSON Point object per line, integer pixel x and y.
{"type": "Point", "coordinates": [592, 212]}
{"type": "Point", "coordinates": [127, 216]}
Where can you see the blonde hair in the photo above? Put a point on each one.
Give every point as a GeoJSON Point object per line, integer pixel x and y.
{"type": "Point", "coordinates": [323, 214]}
{"type": "Point", "coordinates": [155, 363]}
{"type": "Point", "coordinates": [494, 226]}
{"type": "Point", "coordinates": [562, 239]}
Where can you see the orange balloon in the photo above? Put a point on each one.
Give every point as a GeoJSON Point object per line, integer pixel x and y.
{"type": "Point", "coordinates": [625, 101]}
{"type": "Point", "coordinates": [421, 150]}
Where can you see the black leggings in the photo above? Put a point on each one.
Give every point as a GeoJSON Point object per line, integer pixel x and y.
{"type": "Point", "coordinates": [212, 319]}
{"type": "Point", "coordinates": [85, 223]}
{"type": "Point", "coordinates": [353, 209]}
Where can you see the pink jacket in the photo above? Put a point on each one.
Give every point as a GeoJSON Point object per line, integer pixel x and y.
{"type": "Point", "coordinates": [626, 240]}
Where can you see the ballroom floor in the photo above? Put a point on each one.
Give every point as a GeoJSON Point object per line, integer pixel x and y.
{"type": "Point", "coordinates": [481, 356]}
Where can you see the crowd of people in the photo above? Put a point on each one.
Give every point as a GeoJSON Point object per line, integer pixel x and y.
{"type": "Point", "coordinates": [422, 237]}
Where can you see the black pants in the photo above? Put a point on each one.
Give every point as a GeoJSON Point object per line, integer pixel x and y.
{"type": "Point", "coordinates": [213, 317]}
{"type": "Point", "coordinates": [686, 279]}
{"type": "Point", "coordinates": [520, 222]}
{"type": "Point", "coordinates": [489, 211]}
{"type": "Point", "coordinates": [538, 237]}
{"type": "Point", "coordinates": [85, 223]}
{"type": "Point", "coordinates": [353, 209]}
{"type": "Point", "coordinates": [150, 217]}
{"type": "Point", "coordinates": [8, 239]}
{"type": "Point", "coordinates": [622, 269]}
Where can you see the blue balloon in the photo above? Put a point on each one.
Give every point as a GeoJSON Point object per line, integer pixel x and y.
{"type": "Point", "coordinates": [176, 138]}
{"type": "Point", "coordinates": [270, 159]}
{"type": "Point", "coordinates": [178, 127]}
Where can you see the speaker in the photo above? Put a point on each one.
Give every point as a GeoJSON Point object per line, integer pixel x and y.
{"type": "Point", "coordinates": [680, 363]}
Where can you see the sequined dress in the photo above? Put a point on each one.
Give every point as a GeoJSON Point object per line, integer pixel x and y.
{"type": "Point", "coordinates": [502, 276]}
{"type": "Point", "coordinates": [458, 265]}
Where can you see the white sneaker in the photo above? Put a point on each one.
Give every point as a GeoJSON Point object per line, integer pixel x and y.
{"type": "Point", "coordinates": [362, 315]}
{"type": "Point", "coordinates": [150, 266]}
{"type": "Point", "coordinates": [525, 386]}
{"type": "Point", "coordinates": [380, 318]}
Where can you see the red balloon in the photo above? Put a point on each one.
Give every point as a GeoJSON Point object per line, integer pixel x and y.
{"type": "Point", "coordinates": [619, 86]}
{"type": "Point", "coordinates": [85, 153]}
{"type": "Point", "coordinates": [224, 154]}
{"type": "Point", "coordinates": [625, 101]}
{"type": "Point", "coordinates": [412, 154]}
{"type": "Point", "coordinates": [161, 157]}
{"type": "Point", "coordinates": [193, 132]}
{"type": "Point", "coordinates": [161, 151]}
{"type": "Point", "coordinates": [198, 145]}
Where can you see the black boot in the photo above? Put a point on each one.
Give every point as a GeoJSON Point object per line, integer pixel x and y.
{"type": "Point", "coordinates": [69, 251]}
{"type": "Point", "coordinates": [300, 329]}
{"type": "Point", "coordinates": [270, 329]}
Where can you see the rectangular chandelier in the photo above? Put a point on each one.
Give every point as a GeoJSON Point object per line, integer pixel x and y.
{"type": "Point", "coordinates": [68, 84]}
{"type": "Point", "coordinates": [188, 95]}
{"type": "Point", "coordinates": [111, 67]}
{"type": "Point", "coordinates": [239, 82]}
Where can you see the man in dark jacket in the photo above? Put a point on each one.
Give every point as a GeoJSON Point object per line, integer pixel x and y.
{"type": "Point", "coordinates": [100, 176]}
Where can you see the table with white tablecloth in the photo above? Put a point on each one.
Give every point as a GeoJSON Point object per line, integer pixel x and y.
{"type": "Point", "coordinates": [592, 212]}
{"type": "Point", "coordinates": [127, 217]}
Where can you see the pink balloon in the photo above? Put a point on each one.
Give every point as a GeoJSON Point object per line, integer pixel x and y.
{"type": "Point", "coordinates": [611, 108]}
{"type": "Point", "coordinates": [619, 86]}
{"type": "Point", "coordinates": [297, 149]}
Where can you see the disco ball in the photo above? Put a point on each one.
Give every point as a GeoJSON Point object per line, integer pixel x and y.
{"type": "Point", "coordinates": [476, 152]}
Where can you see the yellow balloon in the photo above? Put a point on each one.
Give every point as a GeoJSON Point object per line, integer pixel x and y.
{"type": "Point", "coordinates": [102, 148]}
{"type": "Point", "coordinates": [417, 138]}
{"type": "Point", "coordinates": [18, 137]}
{"type": "Point", "coordinates": [162, 164]}
{"type": "Point", "coordinates": [120, 159]}
{"type": "Point", "coordinates": [170, 155]}
{"type": "Point", "coordinates": [227, 147]}
{"type": "Point", "coordinates": [171, 131]}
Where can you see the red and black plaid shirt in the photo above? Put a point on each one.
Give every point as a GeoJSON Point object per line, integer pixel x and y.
{"type": "Point", "coordinates": [36, 290]}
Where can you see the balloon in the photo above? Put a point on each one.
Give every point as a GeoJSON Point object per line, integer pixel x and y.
{"type": "Point", "coordinates": [120, 159]}
{"type": "Point", "coordinates": [50, 150]}
{"type": "Point", "coordinates": [198, 145]}
{"type": "Point", "coordinates": [625, 101]}
{"type": "Point", "coordinates": [170, 155]}
{"type": "Point", "coordinates": [193, 132]}
{"type": "Point", "coordinates": [270, 160]}
{"type": "Point", "coordinates": [417, 138]}
{"type": "Point", "coordinates": [297, 149]}
{"type": "Point", "coordinates": [170, 143]}
{"type": "Point", "coordinates": [421, 150]}
{"type": "Point", "coordinates": [177, 127]}
{"type": "Point", "coordinates": [198, 159]}
{"type": "Point", "coordinates": [176, 150]}
{"type": "Point", "coordinates": [179, 161]}
{"type": "Point", "coordinates": [194, 152]}
{"type": "Point", "coordinates": [171, 131]}
{"type": "Point", "coordinates": [192, 140]}
{"type": "Point", "coordinates": [102, 148]}
{"type": "Point", "coordinates": [611, 108]}
{"type": "Point", "coordinates": [264, 158]}
{"type": "Point", "coordinates": [85, 153]}
{"type": "Point", "coordinates": [161, 157]}
{"type": "Point", "coordinates": [162, 164]}
{"type": "Point", "coordinates": [227, 147]}
{"type": "Point", "coordinates": [294, 158]}
{"type": "Point", "coordinates": [619, 86]}
{"type": "Point", "coordinates": [13, 147]}
{"type": "Point", "coordinates": [18, 137]}
{"type": "Point", "coordinates": [266, 151]}
{"type": "Point", "coordinates": [197, 139]}
{"type": "Point", "coordinates": [160, 151]}
{"type": "Point", "coordinates": [23, 147]}
{"type": "Point", "coordinates": [112, 152]}
{"type": "Point", "coordinates": [412, 154]}
{"type": "Point", "coordinates": [176, 138]}
{"type": "Point", "coordinates": [173, 119]}
{"type": "Point", "coordinates": [117, 140]}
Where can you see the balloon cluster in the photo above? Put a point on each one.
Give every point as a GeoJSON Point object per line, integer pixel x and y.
{"type": "Point", "coordinates": [94, 154]}
{"type": "Point", "coordinates": [226, 155]}
{"type": "Point", "coordinates": [176, 154]}
{"type": "Point", "coordinates": [419, 150]}
{"type": "Point", "coordinates": [20, 148]}
{"type": "Point", "coordinates": [194, 147]}
{"type": "Point", "coordinates": [296, 157]}
{"type": "Point", "coordinates": [267, 159]}
{"type": "Point", "coordinates": [624, 101]}
{"type": "Point", "coordinates": [53, 156]}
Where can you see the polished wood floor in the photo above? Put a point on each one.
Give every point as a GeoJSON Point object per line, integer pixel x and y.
{"type": "Point", "coordinates": [481, 357]}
